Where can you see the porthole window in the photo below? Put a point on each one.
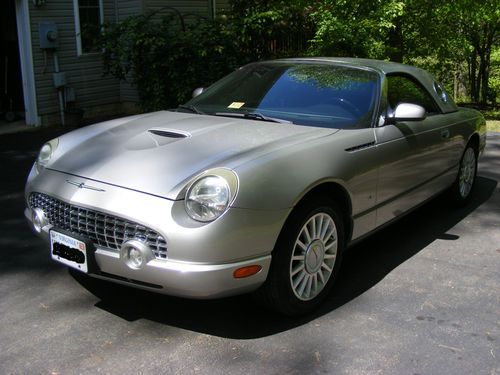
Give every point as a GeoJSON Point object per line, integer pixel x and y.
{"type": "Point", "coordinates": [438, 87]}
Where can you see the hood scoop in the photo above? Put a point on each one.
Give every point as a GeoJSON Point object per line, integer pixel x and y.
{"type": "Point", "coordinates": [169, 133]}
{"type": "Point", "coordinates": [154, 138]}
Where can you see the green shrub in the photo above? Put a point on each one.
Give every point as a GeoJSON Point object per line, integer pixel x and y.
{"type": "Point", "coordinates": [164, 62]}
{"type": "Point", "coordinates": [166, 59]}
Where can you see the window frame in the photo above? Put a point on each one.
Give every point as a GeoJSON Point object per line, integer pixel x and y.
{"type": "Point", "coordinates": [78, 31]}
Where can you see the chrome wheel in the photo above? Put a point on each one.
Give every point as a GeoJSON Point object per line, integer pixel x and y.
{"type": "Point", "coordinates": [467, 172]}
{"type": "Point", "coordinates": [313, 257]}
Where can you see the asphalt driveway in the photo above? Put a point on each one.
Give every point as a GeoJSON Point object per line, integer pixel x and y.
{"type": "Point", "coordinates": [420, 297]}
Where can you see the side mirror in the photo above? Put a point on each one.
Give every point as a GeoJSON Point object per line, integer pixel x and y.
{"type": "Point", "coordinates": [409, 112]}
{"type": "Point", "coordinates": [198, 91]}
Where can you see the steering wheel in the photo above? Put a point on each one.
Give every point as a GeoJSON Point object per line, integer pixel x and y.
{"type": "Point", "coordinates": [347, 105]}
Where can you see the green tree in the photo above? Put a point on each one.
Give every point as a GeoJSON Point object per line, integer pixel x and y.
{"type": "Point", "coordinates": [453, 39]}
{"type": "Point", "coordinates": [479, 22]}
{"type": "Point", "coordinates": [356, 28]}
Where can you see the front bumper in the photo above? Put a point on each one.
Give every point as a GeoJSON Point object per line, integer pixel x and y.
{"type": "Point", "coordinates": [201, 258]}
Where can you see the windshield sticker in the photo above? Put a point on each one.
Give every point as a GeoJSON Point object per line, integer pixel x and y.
{"type": "Point", "coordinates": [236, 105]}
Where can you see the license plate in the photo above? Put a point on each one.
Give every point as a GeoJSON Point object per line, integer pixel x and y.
{"type": "Point", "coordinates": [69, 251]}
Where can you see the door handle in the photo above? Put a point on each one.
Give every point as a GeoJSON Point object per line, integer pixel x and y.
{"type": "Point", "coordinates": [445, 134]}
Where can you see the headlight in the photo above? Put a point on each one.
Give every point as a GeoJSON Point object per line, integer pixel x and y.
{"type": "Point", "coordinates": [46, 152]}
{"type": "Point", "coordinates": [207, 198]}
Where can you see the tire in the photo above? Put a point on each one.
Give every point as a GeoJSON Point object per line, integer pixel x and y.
{"type": "Point", "coordinates": [464, 184]}
{"type": "Point", "coordinates": [306, 259]}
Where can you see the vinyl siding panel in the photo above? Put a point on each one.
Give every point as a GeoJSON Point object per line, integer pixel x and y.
{"type": "Point", "coordinates": [221, 6]}
{"type": "Point", "coordinates": [128, 8]}
{"type": "Point", "coordinates": [83, 73]}
{"type": "Point", "coordinates": [199, 7]}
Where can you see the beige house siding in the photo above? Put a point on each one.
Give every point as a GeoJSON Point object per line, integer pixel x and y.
{"type": "Point", "coordinates": [95, 93]}
{"type": "Point", "coordinates": [221, 6]}
{"type": "Point", "coordinates": [201, 7]}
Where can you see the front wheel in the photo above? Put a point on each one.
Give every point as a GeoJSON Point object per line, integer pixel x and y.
{"type": "Point", "coordinates": [306, 259]}
{"type": "Point", "coordinates": [464, 184]}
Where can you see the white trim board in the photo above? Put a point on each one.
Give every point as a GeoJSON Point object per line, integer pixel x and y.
{"type": "Point", "coordinates": [26, 57]}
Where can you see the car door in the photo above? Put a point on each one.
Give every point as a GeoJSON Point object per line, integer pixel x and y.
{"type": "Point", "coordinates": [411, 151]}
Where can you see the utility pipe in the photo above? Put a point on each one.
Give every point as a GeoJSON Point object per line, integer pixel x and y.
{"type": "Point", "coordinates": [60, 92]}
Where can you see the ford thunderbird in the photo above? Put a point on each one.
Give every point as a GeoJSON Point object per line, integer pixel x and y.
{"type": "Point", "coordinates": [258, 183]}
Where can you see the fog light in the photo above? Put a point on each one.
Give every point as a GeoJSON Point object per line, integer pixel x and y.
{"type": "Point", "coordinates": [39, 220]}
{"type": "Point", "coordinates": [135, 257]}
{"type": "Point", "coordinates": [135, 254]}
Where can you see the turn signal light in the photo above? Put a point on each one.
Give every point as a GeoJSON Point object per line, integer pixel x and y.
{"type": "Point", "coordinates": [246, 271]}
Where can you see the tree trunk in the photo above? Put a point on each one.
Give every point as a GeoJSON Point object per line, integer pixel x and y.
{"type": "Point", "coordinates": [396, 43]}
{"type": "Point", "coordinates": [485, 78]}
{"type": "Point", "coordinates": [472, 77]}
{"type": "Point", "coordinates": [455, 85]}
{"type": "Point", "coordinates": [490, 35]}
{"type": "Point", "coordinates": [479, 80]}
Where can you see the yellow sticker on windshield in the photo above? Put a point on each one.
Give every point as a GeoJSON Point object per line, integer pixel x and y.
{"type": "Point", "coordinates": [236, 105]}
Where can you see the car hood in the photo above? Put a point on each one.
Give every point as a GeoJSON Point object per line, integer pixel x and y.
{"type": "Point", "coordinates": [159, 153]}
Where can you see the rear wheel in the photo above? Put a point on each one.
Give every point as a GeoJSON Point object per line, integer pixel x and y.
{"type": "Point", "coordinates": [306, 259]}
{"type": "Point", "coordinates": [464, 184]}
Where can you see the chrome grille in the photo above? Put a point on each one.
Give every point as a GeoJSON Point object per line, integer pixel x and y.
{"type": "Point", "coordinates": [102, 229]}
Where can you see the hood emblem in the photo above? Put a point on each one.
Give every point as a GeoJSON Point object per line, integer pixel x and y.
{"type": "Point", "coordinates": [82, 185]}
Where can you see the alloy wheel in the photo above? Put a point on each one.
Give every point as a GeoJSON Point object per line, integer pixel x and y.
{"type": "Point", "coordinates": [313, 258]}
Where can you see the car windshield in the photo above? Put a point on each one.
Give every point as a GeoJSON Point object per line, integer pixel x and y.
{"type": "Point", "coordinates": [313, 94]}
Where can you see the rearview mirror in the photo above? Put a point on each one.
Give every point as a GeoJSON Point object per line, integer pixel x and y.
{"type": "Point", "coordinates": [409, 112]}
{"type": "Point", "coordinates": [198, 91]}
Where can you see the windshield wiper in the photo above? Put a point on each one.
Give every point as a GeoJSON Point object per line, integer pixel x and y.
{"type": "Point", "coordinates": [191, 108]}
{"type": "Point", "coordinates": [253, 116]}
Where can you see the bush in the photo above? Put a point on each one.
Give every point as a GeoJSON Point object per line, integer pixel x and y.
{"type": "Point", "coordinates": [164, 62]}
{"type": "Point", "coordinates": [166, 59]}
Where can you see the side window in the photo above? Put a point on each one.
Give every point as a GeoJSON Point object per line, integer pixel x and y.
{"type": "Point", "coordinates": [402, 89]}
{"type": "Point", "coordinates": [88, 20]}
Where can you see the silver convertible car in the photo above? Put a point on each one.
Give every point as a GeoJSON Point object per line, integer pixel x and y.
{"type": "Point", "coordinates": [257, 184]}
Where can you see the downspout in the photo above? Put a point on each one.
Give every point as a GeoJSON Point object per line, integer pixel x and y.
{"type": "Point", "coordinates": [59, 90]}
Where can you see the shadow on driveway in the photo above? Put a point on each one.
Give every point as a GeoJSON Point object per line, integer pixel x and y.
{"type": "Point", "coordinates": [363, 267]}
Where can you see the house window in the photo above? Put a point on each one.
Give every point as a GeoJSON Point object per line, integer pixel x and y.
{"type": "Point", "coordinates": [89, 17]}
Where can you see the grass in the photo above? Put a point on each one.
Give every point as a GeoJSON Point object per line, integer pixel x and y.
{"type": "Point", "coordinates": [492, 117]}
{"type": "Point", "coordinates": [493, 125]}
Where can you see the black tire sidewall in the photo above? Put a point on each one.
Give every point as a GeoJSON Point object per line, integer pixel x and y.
{"type": "Point", "coordinates": [279, 275]}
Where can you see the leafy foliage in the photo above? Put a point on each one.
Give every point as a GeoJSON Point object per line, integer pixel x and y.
{"type": "Point", "coordinates": [164, 62]}
{"type": "Point", "coordinates": [355, 28]}
{"type": "Point", "coordinates": [271, 29]}
{"type": "Point", "coordinates": [166, 59]}
{"type": "Point", "coordinates": [457, 40]}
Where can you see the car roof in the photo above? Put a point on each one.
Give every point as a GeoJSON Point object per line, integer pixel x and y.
{"type": "Point", "coordinates": [386, 67]}
{"type": "Point", "coordinates": [382, 66]}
